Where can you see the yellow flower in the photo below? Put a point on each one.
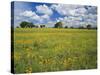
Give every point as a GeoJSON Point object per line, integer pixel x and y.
{"type": "Point", "coordinates": [17, 56]}
{"type": "Point", "coordinates": [69, 60]}
{"type": "Point", "coordinates": [29, 70]}
{"type": "Point", "coordinates": [41, 57]}
{"type": "Point", "coordinates": [65, 62]}
{"type": "Point", "coordinates": [40, 62]}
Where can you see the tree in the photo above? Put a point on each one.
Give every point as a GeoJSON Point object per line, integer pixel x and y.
{"type": "Point", "coordinates": [71, 27]}
{"type": "Point", "coordinates": [30, 25]}
{"type": "Point", "coordinates": [66, 26]}
{"type": "Point", "coordinates": [24, 24]}
{"type": "Point", "coordinates": [42, 26]}
{"type": "Point", "coordinates": [58, 25]}
{"type": "Point", "coordinates": [17, 27]}
{"type": "Point", "coordinates": [95, 28]}
{"type": "Point", "coordinates": [88, 26]}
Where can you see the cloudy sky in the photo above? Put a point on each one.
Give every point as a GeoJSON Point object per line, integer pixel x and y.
{"type": "Point", "coordinates": [49, 14]}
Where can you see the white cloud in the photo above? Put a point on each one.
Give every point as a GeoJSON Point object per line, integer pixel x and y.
{"type": "Point", "coordinates": [44, 9]}
{"type": "Point", "coordinates": [33, 16]}
{"type": "Point", "coordinates": [78, 12]}
{"type": "Point", "coordinates": [75, 15]}
{"type": "Point", "coordinates": [45, 17]}
{"type": "Point", "coordinates": [81, 10]}
{"type": "Point", "coordinates": [73, 18]}
{"type": "Point", "coordinates": [90, 16]}
{"type": "Point", "coordinates": [51, 23]}
{"type": "Point", "coordinates": [28, 13]}
{"type": "Point", "coordinates": [70, 21]}
{"type": "Point", "coordinates": [64, 10]}
{"type": "Point", "coordinates": [17, 17]}
{"type": "Point", "coordinates": [91, 9]}
{"type": "Point", "coordinates": [61, 9]}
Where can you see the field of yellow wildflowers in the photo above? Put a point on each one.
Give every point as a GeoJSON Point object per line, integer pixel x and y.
{"type": "Point", "coordinates": [51, 49]}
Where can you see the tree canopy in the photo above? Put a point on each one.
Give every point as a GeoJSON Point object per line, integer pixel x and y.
{"type": "Point", "coordinates": [88, 26]}
{"type": "Point", "coordinates": [58, 25]}
{"type": "Point", "coordinates": [25, 24]}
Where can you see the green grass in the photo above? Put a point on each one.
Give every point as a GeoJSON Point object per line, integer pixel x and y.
{"type": "Point", "coordinates": [51, 49]}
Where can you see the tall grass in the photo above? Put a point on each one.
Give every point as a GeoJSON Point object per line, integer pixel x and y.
{"type": "Point", "coordinates": [51, 49]}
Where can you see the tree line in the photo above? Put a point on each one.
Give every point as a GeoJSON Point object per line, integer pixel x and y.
{"type": "Point", "coordinates": [25, 24]}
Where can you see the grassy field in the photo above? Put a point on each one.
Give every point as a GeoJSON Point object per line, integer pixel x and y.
{"type": "Point", "coordinates": [51, 49]}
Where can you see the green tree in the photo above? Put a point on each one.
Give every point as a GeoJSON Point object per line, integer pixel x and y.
{"type": "Point", "coordinates": [30, 25]}
{"type": "Point", "coordinates": [42, 26]}
{"type": "Point", "coordinates": [58, 25]}
{"type": "Point", "coordinates": [66, 26]}
{"type": "Point", "coordinates": [88, 26]}
{"type": "Point", "coordinates": [17, 27]}
{"type": "Point", "coordinates": [71, 27]}
{"type": "Point", "coordinates": [24, 24]}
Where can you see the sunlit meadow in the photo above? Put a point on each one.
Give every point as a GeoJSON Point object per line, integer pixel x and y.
{"type": "Point", "coordinates": [54, 49]}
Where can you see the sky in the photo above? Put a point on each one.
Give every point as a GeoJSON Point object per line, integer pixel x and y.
{"type": "Point", "coordinates": [50, 13]}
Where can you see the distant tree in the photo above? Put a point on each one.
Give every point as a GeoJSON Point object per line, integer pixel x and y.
{"type": "Point", "coordinates": [95, 28]}
{"type": "Point", "coordinates": [71, 27]}
{"type": "Point", "coordinates": [42, 26]}
{"type": "Point", "coordinates": [36, 26]}
{"type": "Point", "coordinates": [30, 25]}
{"type": "Point", "coordinates": [24, 24]}
{"type": "Point", "coordinates": [58, 25]}
{"type": "Point", "coordinates": [33, 25]}
{"type": "Point", "coordinates": [17, 27]}
{"type": "Point", "coordinates": [88, 26]}
{"type": "Point", "coordinates": [66, 26]}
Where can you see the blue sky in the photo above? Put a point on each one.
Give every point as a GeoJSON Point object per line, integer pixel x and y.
{"type": "Point", "coordinates": [49, 14]}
